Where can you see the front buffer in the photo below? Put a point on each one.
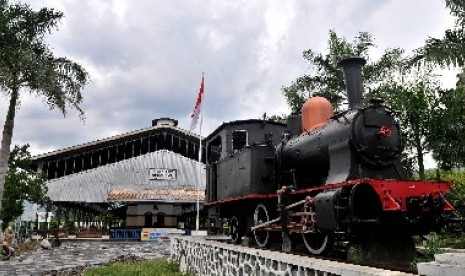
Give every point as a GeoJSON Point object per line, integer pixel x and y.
{"type": "Point", "coordinates": [404, 207]}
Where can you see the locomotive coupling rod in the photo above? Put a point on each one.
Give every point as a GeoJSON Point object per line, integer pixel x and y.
{"type": "Point", "coordinates": [253, 228]}
{"type": "Point", "coordinates": [294, 204]}
{"type": "Point", "coordinates": [298, 214]}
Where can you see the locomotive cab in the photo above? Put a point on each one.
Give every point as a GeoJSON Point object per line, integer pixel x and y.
{"type": "Point", "coordinates": [240, 158]}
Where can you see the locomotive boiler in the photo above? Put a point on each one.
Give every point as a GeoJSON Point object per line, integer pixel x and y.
{"type": "Point", "coordinates": [326, 178]}
{"type": "Point", "coordinates": [361, 142]}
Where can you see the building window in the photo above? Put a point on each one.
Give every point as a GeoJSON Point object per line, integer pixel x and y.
{"type": "Point", "coordinates": [214, 150]}
{"type": "Point", "coordinates": [239, 139]}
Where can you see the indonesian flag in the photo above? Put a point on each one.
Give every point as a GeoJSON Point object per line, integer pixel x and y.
{"type": "Point", "coordinates": [196, 113]}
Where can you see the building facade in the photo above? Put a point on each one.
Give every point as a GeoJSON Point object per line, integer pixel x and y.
{"type": "Point", "coordinates": [152, 174]}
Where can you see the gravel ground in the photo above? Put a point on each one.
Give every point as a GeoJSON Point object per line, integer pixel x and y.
{"type": "Point", "coordinates": [72, 257]}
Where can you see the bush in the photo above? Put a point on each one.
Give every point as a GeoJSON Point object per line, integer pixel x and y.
{"type": "Point", "coordinates": [456, 195]}
{"type": "Point", "coordinates": [70, 228]}
{"type": "Point", "coordinates": [430, 245]}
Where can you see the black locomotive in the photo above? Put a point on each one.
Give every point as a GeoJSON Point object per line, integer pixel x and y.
{"type": "Point", "coordinates": [322, 176]}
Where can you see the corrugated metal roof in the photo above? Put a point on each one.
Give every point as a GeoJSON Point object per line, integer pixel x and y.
{"type": "Point", "coordinates": [165, 195]}
{"type": "Point", "coordinates": [92, 186]}
{"type": "Point", "coordinates": [114, 138]}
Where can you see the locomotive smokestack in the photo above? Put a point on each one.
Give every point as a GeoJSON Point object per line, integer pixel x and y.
{"type": "Point", "coordinates": [352, 68]}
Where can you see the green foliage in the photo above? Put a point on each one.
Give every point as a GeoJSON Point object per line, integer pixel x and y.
{"type": "Point", "coordinates": [449, 116]}
{"type": "Point", "coordinates": [54, 223]}
{"type": "Point", "coordinates": [436, 243]}
{"type": "Point", "coordinates": [432, 244]}
{"type": "Point", "coordinates": [457, 8]}
{"type": "Point", "coordinates": [27, 64]}
{"type": "Point", "coordinates": [432, 119]}
{"type": "Point", "coordinates": [70, 227]}
{"type": "Point", "coordinates": [448, 51]}
{"type": "Point", "coordinates": [408, 164]}
{"type": "Point", "coordinates": [326, 78]}
{"type": "Point", "coordinates": [447, 128]}
{"type": "Point", "coordinates": [411, 92]}
{"type": "Point", "coordinates": [434, 50]}
{"type": "Point", "coordinates": [26, 60]}
{"type": "Point", "coordinates": [162, 267]}
{"type": "Point", "coordinates": [454, 240]}
{"type": "Point", "coordinates": [414, 96]}
{"type": "Point", "coordinates": [280, 118]}
{"type": "Point", "coordinates": [456, 195]}
{"type": "Point", "coordinates": [22, 183]}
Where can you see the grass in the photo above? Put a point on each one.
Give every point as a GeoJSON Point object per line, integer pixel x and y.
{"type": "Point", "coordinates": [162, 267]}
{"type": "Point", "coordinates": [454, 240]}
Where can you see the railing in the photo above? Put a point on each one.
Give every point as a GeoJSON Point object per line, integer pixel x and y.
{"type": "Point", "coordinates": [126, 234]}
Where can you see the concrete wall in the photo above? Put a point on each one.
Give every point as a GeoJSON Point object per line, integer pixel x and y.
{"type": "Point", "coordinates": [207, 257]}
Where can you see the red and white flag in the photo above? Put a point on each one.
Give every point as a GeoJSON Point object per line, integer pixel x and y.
{"type": "Point", "coordinates": [196, 113]}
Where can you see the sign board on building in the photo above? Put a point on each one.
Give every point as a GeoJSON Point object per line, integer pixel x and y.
{"type": "Point", "coordinates": [163, 174]}
{"type": "Point", "coordinates": [153, 234]}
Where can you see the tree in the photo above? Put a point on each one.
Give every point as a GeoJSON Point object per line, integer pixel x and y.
{"type": "Point", "coordinates": [28, 65]}
{"type": "Point", "coordinates": [22, 184]}
{"type": "Point", "coordinates": [326, 78]}
{"type": "Point", "coordinates": [280, 118]}
{"type": "Point", "coordinates": [414, 99]}
{"type": "Point", "coordinates": [447, 128]}
{"type": "Point", "coordinates": [409, 90]}
{"type": "Point", "coordinates": [450, 49]}
{"type": "Point", "coordinates": [448, 117]}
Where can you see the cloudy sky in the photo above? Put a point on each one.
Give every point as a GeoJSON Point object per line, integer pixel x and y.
{"type": "Point", "coordinates": [146, 58]}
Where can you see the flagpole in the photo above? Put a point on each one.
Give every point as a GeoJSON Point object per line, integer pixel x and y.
{"type": "Point", "coordinates": [197, 220]}
{"type": "Point", "coordinates": [195, 116]}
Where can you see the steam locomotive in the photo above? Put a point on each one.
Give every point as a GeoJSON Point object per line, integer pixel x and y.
{"type": "Point", "coordinates": [323, 177]}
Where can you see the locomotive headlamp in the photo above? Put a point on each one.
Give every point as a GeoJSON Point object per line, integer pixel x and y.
{"type": "Point", "coordinates": [384, 131]}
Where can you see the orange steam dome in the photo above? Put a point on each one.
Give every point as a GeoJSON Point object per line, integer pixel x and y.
{"type": "Point", "coordinates": [316, 112]}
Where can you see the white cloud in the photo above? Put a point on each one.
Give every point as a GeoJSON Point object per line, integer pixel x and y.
{"type": "Point", "coordinates": [146, 58]}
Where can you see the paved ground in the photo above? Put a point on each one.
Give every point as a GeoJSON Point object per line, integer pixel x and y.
{"type": "Point", "coordinates": [73, 255]}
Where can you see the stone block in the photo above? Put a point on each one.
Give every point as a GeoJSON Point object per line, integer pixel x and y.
{"type": "Point", "coordinates": [454, 259]}
{"type": "Point", "coordinates": [199, 233]}
{"type": "Point", "coordinates": [435, 269]}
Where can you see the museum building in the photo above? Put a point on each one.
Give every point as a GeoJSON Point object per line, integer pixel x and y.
{"type": "Point", "coordinates": [152, 176]}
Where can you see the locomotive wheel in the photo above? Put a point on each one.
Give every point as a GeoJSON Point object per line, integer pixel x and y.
{"type": "Point", "coordinates": [235, 230]}
{"type": "Point", "coordinates": [316, 243]}
{"type": "Point", "coordinates": [260, 216]}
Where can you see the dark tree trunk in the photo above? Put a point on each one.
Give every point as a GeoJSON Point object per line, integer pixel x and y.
{"type": "Point", "coordinates": [420, 159]}
{"type": "Point", "coordinates": [6, 141]}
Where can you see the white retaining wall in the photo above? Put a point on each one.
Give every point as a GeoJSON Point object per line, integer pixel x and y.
{"type": "Point", "coordinates": [208, 257]}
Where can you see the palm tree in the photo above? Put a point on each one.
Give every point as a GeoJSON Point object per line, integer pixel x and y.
{"type": "Point", "coordinates": [28, 65]}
